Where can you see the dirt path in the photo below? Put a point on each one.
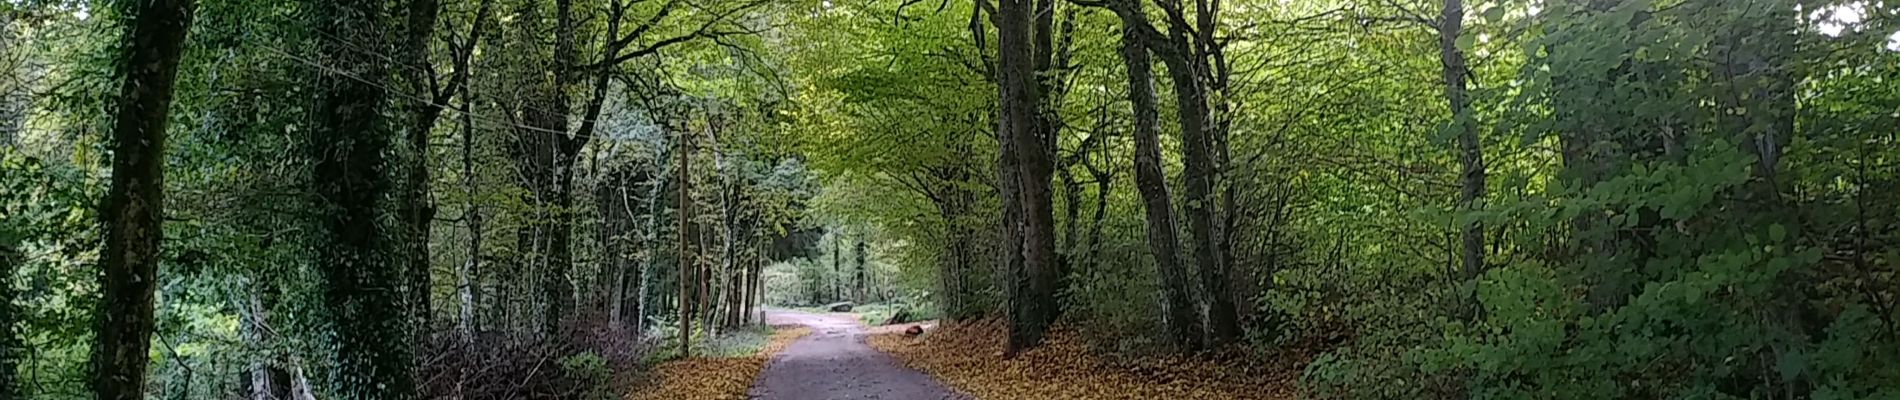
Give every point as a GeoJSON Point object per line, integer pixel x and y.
{"type": "Point", "coordinates": [834, 363]}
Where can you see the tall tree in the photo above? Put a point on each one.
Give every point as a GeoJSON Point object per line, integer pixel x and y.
{"type": "Point", "coordinates": [686, 236]}
{"type": "Point", "coordinates": [837, 265]}
{"type": "Point", "coordinates": [1027, 163]}
{"type": "Point", "coordinates": [1184, 326]}
{"type": "Point", "coordinates": [547, 148]}
{"type": "Point", "coordinates": [1180, 52]}
{"type": "Point", "coordinates": [425, 108]}
{"type": "Point", "coordinates": [466, 277]}
{"type": "Point", "coordinates": [350, 143]}
{"type": "Point", "coordinates": [1470, 153]}
{"type": "Point", "coordinates": [859, 279]}
{"type": "Point", "coordinates": [135, 203]}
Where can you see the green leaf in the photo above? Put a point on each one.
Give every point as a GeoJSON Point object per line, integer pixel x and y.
{"type": "Point", "coordinates": [1493, 14]}
{"type": "Point", "coordinates": [1776, 232]}
{"type": "Point", "coordinates": [1466, 42]}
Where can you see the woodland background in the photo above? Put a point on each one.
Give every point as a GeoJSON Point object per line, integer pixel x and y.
{"type": "Point", "coordinates": [537, 198]}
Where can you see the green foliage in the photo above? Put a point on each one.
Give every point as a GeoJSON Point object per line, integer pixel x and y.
{"type": "Point", "coordinates": [47, 213]}
{"type": "Point", "coordinates": [591, 372]}
{"type": "Point", "coordinates": [1686, 198]}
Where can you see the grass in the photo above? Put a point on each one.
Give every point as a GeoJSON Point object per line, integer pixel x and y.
{"type": "Point", "coordinates": [876, 314]}
{"type": "Point", "coordinates": [724, 370]}
{"type": "Point", "coordinates": [734, 343]}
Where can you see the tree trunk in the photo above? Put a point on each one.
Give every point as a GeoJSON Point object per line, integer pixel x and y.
{"type": "Point", "coordinates": [1104, 180]}
{"type": "Point", "coordinates": [1211, 63]}
{"type": "Point", "coordinates": [837, 265]}
{"type": "Point", "coordinates": [686, 258]}
{"type": "Point", "coordinates": [419, 208]}
{"type": "Point", "coordinates": [860, 278]}
{"type": "Point", "coordinates": [729, 223]}
{"type": "Point", "coordinates": [1070, 241]}
{"type": "Point", "coordinates": [607, 205]}
{"type": "Point", "coordinates": [266, 378]}
{"type": "Point", "coordinates": [627, 300]}
{"type": "Point", "coordinates": [1470, 154]}
{"type": "Point", "coordinates": [135, 203]}
{"type": "Point", "coordinates": [755, 296]}
{"type": "Point", "coordinates": [548, 152]}
{"type": "Point", "coordinates": [466, 274]}
{"type": "Point", "coordinates": [628, 272]}
{"type": "Point", "coordinates": [1184, 327]}
{"type": "Point", "coordinates": [1033, 284]}
{"type": "Point", "coordinates": [703, 282]}
{"type": "Point", "coordinates": [649, 243]}
{"type": "Point", "coordinates": [13, 93]}
{"type": "Point", "coordinates": [1202, 212]}
{"type": "Point", "coordinates": [11, 348]}
{"type": "Point", "coordinates": [351, 178]}
{"type": "Point", "coordinates": [466, 277]}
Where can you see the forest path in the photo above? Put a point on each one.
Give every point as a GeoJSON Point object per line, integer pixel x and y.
{"type": "Point", "coordinates": [833, 362]}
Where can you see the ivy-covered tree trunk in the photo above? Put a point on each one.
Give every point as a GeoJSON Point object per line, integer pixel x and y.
{"type": "Point", "coordinates": [350, 143]}
{"type": "Point", "coordinates": [1032, 284]}
{"type": "Point", "coordinates": [135, 202]}
{"type": "Point", "coordinates": [1178, 312]}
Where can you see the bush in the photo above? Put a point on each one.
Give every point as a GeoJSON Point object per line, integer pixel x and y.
{"type": "Point", "coordinates": [1719, 304]}
{"type": "Point", "coordinates": [590, 374]}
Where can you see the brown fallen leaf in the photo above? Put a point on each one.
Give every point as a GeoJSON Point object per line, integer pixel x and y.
{"type": "Point", "coordinates": [713, 378]}
{"type": "Point", "coordinates": [969, 358]}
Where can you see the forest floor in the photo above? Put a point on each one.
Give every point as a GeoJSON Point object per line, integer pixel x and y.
{"type": "Point", "coordinates": [834, 362]}
{"type": "Point", "coordinates": [969, 358]}
{"type": "Point", "coordinates": [714, 376]}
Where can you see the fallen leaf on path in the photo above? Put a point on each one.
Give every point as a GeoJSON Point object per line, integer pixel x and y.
{"type": "Point", "coordinates": [969, 358]}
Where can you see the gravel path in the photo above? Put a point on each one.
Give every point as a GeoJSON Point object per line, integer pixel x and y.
{"type": "Point", "coordinates": [833, 363]}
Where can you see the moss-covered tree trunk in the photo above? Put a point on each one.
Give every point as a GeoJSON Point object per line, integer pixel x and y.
{"type": "Point", "coordinates": [134, 207]}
